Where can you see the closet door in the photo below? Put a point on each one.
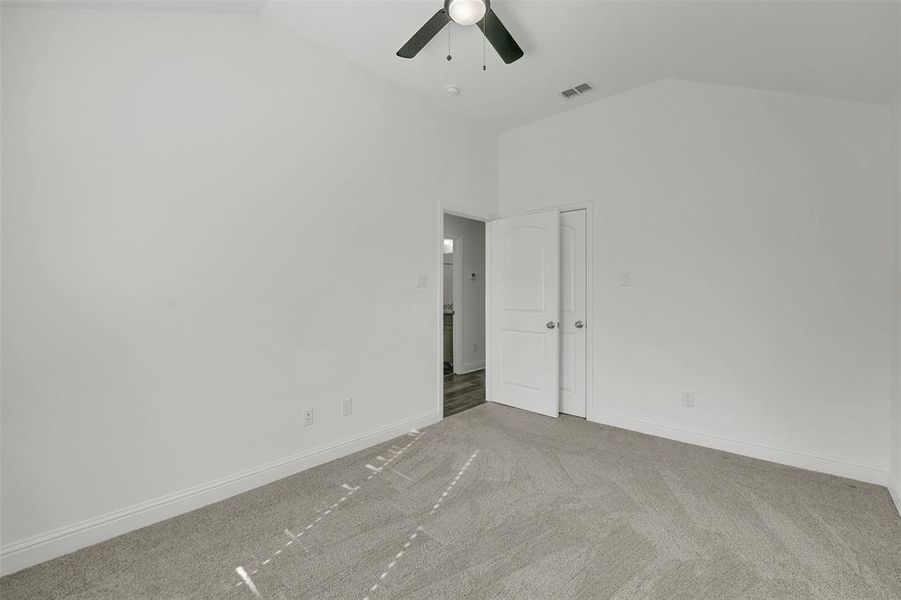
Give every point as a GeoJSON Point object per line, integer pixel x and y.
{"type": "Point", "coordinates": [573, 298]}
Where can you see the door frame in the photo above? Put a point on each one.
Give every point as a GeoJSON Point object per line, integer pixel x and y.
{"type": "Point", "coordinates": [475, 215]}
{"type": "Point", "coordinates": [486, 217]}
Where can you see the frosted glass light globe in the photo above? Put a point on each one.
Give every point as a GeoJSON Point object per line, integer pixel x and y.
{"type": "Point", "coordinates": [466, 12]}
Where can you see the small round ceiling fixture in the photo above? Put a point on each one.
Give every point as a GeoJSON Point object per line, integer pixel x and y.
{"type": "Point", "coordinates": [452, 90]}
{"type": "Point", "coordinates": [466, 12]}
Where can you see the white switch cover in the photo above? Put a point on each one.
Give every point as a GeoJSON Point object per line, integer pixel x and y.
{"type": "Point", "coordinates": [688, 399]}
{"type": "Point", "coordinates": [422, 280]}
{"type": "Point", "coordinates": [308, 417]}
{"type": "Point", "coordinates": [348, 407]}
{"type": "Point", "coordinates": [624, 279]}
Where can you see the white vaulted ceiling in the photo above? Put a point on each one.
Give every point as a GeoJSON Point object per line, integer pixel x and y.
{"type": "Point", "coordinates": [846, 50]}
{"type": "Point", "coordinates": [834, 49]}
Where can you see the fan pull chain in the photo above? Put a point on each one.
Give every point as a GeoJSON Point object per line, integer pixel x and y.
{"type": "Point", "coordinates": [449, 27]}
{"type": "Point", "coordinates": [484, 26]}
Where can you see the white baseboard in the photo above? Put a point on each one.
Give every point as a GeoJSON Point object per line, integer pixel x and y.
{"type": "Point", "coordinates": [782, 456]}
{"type": "Point", "coordinates": [470, 367]}
{"type": "Point", "coordinates": [31, 551]}
{"type": "Point", "coordinates": [894, 488]}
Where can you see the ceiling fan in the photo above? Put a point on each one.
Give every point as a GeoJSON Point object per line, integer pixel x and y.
{"type": "Point", "coordinates": [466, 12]}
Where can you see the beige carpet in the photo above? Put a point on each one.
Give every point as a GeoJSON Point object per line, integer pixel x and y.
{"type": "Point", "coordinates": [499, 503]}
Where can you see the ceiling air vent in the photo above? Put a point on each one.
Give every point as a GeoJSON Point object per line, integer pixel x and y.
{"type": "Point", "coordinates": [582, 88]}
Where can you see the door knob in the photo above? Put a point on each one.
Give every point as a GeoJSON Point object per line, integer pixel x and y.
{"type": "Point", "coordinates": [579, 324]}
{"type": "Point", "coordinates": [551, 325]}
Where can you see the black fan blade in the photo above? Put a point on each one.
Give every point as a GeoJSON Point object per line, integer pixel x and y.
{"type": "Point", "coordinates": [424, 35]}
{"type": "Point", "coordinates": [500, 38]}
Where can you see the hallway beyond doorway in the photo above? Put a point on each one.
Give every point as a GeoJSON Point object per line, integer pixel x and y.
{"type": "Point", "coordinates": [462, 392]}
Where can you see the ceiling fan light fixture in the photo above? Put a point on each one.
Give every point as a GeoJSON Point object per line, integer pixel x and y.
{"type": "Point", "coordinates": [466, 12]}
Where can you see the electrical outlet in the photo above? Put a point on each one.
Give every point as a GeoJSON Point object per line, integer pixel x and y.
{"type": "Point", "coordinates": [308, 417]}
{"type": "Point", "coordinates": [688, 399]}
{"type": "Point", "coordinates": [475, 347]}
{"type": "Point", "coordinates": [348, 407]}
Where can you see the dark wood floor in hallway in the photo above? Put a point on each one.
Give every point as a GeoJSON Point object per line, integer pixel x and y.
{"type": "Point", "coordinates": [462, 392]}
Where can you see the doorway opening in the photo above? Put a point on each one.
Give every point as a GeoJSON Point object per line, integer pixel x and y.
{"type": "Point", "coordinates": [463, 301]}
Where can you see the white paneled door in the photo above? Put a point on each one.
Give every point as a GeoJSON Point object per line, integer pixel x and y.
{"type": "Point", "coordinates": [525, 312]}
{"type": "Point", "coordinates": [573, 298]}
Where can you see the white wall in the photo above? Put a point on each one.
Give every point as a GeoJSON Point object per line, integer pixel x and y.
{"type": "Point", "coordinates": [192, 204]}
{"type": "Point", "coordinates": [757, 230]}
{"type": "Point", "coordinates": [472, 311]}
